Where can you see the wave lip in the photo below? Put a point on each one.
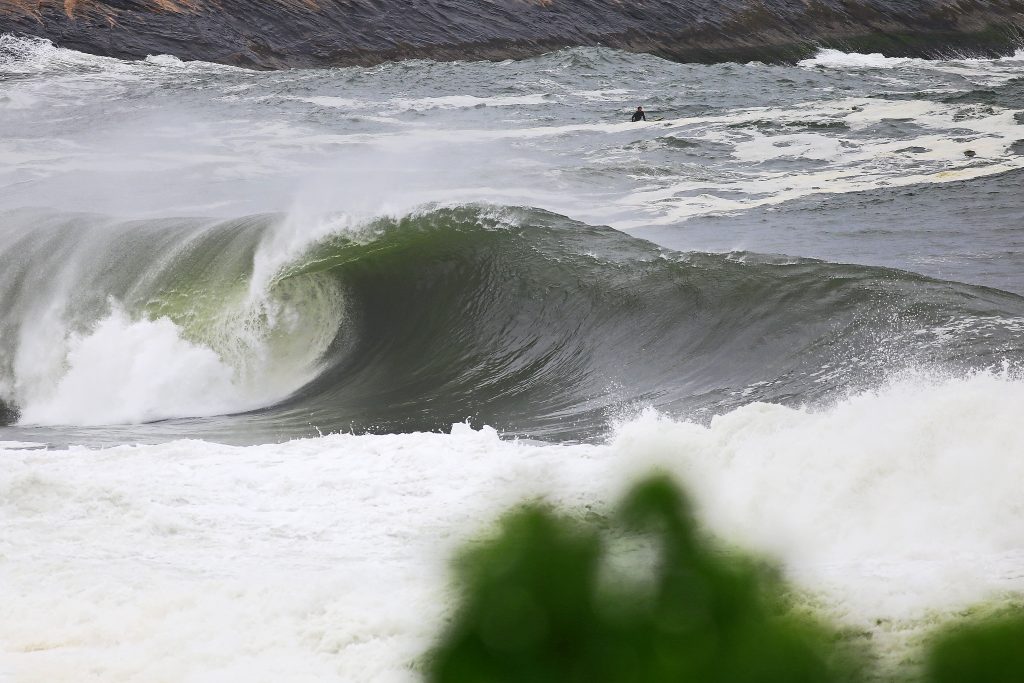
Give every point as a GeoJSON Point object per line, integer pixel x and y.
{"type": "Point", "coordinates": [287, 33]}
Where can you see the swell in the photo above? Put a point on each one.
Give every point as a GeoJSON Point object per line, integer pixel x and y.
{"type": "Point", "coordinates": [517, 318]}
{"type": "Point", "coordinates": [287, 33]}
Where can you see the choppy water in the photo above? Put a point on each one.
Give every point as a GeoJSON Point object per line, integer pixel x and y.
{"type": "Point", "coordinates": [800, 289]}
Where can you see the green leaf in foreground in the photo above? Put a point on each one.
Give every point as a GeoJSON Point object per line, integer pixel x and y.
{"type": "Point", "coordinates": [989, 651]}
{"type": "Point", "coordinates": [535, 608]}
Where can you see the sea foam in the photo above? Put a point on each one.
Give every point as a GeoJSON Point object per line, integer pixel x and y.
{"type": "Point", "coordinates": [324, 559]}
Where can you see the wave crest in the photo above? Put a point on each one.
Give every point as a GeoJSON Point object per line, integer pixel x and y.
{"type": "Point", "coordinates": [513, 317]}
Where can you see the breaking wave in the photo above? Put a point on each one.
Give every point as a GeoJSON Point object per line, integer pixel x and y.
{"type": "Point", "coordinates": [513, 317]}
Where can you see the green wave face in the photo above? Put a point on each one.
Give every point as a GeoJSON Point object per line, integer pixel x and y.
{"type": "Point", "coordinates": [540, 325]}
{"type": "Point", "coordinates": [273, 338]}
{"type": "Point", "coordinates": [515, 317]}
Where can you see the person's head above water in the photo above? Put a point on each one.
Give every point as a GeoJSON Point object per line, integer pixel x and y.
{"type": "Point", "coordinates": [639, 108]}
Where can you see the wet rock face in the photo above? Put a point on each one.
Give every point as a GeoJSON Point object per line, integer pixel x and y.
{"type": "Point", "coordinates": [9, 414]}
{"type": "Point", "coordinates": [287, 33]}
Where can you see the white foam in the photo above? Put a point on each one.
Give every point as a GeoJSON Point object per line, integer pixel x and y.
{"type": "Point", "coordinates": [323, 559]}
{"type": "Point", "coordinates": [164, 60]}
{"type": "Point", "coordinates": [896, 502]}
{"type": "Point", "coordinates": [981, 70]}
{"type": "Point", "coordinates": [125, 371]}
{"type": "Point", "coordinates": [830, 58]}
{"type": "Point", "coordinates": [32, 55]}
{"type": "Point", "coordinates": [316, 560]}
{"type": "Point", "coordinates": [1017, 56]}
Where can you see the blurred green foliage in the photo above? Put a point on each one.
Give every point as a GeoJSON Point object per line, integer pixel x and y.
{"type": "Point", "coordinates": [980, 651]}
{"type": "Point", "coordinates": [538, 606]}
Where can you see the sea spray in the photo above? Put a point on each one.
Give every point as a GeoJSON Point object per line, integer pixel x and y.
{"type": "Point", "coordinates": [126, 371]}
{"type": "Point", "coordinates": [898, 501]}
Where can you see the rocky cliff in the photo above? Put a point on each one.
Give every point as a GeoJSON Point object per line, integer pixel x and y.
{"type": "Point", "coordinates": [286, 33]}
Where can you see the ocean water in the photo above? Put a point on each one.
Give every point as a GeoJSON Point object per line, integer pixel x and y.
{"type": "Point", "coordinates": [273, 345]}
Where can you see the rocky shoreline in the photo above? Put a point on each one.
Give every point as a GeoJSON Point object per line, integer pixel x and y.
{"type": "Point", "coordinates": [275, 34]}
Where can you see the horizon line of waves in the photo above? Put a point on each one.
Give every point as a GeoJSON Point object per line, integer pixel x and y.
{"type": "Point", "coordinates": [35, 53]}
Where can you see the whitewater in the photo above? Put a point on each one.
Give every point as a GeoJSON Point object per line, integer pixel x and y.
{"type": "Point", "coordinates": [274, 345]}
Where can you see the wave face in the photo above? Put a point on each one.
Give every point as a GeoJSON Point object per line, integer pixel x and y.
{"type": "Point", "coordinates": [535, 324]}
{"type": "Point", "coordinates": [288, 33]}
{"type": "Point", "coordinates": [516, 318]}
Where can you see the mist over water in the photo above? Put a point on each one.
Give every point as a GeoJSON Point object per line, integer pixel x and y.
{"type": "Point", "coordinates": [797, 288]}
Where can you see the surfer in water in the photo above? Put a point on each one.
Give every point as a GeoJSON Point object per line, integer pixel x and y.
{"type": "Point", "coordinates": [639, 115]}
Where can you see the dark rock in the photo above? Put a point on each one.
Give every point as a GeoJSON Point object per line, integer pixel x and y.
{"type": "Point", "coordinates": [297, 33]}
{"type": "Point", "coordinates": [9, 414]}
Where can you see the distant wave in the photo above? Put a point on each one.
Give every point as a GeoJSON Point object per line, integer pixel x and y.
{"type": "Point", "coordinates": [516, 317]}
{"type": "Point", "coordinates": [837, 59]}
